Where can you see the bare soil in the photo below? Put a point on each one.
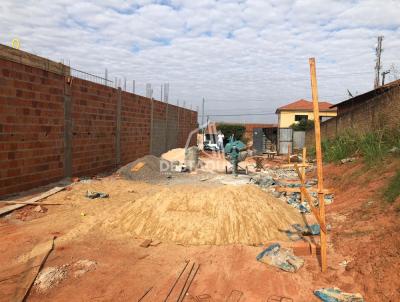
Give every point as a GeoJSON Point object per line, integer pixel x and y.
{"type": "Point", "coordinates": [364, 233]}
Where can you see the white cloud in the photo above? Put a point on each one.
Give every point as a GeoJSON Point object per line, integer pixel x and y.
{"type": "Point", "coordinates": [242, 56]}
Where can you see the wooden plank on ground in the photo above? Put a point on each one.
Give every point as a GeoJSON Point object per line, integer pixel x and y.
{"type": "Point", "coordinates": [26, 281]}
{"type": "Point", "coordinates": [11, 208]}
{"type": "Point", "coordinates": [297, 190]}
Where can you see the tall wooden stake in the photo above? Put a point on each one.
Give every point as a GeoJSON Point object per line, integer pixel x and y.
{"type": "Point", "coordinates": [288, 153]}
{"type": "Point", "coordinates": [318, 151]}
{"type": "Point", "coordinates": [303, 171]}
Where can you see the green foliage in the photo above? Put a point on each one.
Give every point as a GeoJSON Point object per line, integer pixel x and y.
{"type": "Point", "coordinates": [341, 147]}
{"type": "Point", "coordinates": [228, 129]}
{"type": "Point", "coordinates": [372, 146]}
{"type": "Point", "coordinates": [393, 189]}
{"type": "Point", "coordinates": [303, 125]}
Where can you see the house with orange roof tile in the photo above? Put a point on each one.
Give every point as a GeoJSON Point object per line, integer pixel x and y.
{"type": "Point", "coordinates": [303, 110]}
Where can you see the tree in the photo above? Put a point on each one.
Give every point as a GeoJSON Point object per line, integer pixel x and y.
{"type": "Point", "coordinates": [228, 129]}
{"type": "Point", "coordinates": [302, 125]}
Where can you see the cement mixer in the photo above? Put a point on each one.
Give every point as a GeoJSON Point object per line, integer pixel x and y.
{"type": "Point", "coordinates": [235, 152]}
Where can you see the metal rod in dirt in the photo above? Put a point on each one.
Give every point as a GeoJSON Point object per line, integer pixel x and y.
{"type": "Point", "coordinates": [190, 283]}
{"type": "Point", "coordinates": [184, 285]}
{"type": "Point", "coordinates": [176, 281]}
{"type": "Point", "coordinates": [144, 295]}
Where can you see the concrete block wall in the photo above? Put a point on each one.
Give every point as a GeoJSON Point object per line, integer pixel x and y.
{"type": "Point", "coordinates": [54, 126]}
{"type": "Point", "coordinates": [378, 113]}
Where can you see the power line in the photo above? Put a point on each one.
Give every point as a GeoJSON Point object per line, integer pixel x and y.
{"type": "Point", "coordinates": [242, 114]}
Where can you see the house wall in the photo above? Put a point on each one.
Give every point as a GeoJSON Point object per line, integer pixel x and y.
{"type": "Point", "coordinates": [287, 118]}
{"type": "Point", "coordinates": [378, 113]}
{"type": "Point", "coordinates": [54, 126]}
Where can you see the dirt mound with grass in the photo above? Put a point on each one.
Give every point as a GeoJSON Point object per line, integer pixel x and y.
{"type": "Point", "coordinates": [146, 168]}
{"type": "Point", "coordinates": [205, 215]}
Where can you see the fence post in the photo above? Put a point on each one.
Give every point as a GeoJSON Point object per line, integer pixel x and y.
{"type": "Point", "coordinates": [118, 127]}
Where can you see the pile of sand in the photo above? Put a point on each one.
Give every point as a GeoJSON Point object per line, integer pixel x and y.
{"type": "Point", "coordinates": [177, 154]}
{"type": "Point", "coordinates": [197, 215]}
{"type": "Point", "coordinates": [146, 168]}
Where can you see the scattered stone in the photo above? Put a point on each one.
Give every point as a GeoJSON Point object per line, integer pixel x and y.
{"type": "Point", "coordinates": [94, 195]}
{"type": "Point", "coordinates": [40, 209]}
{"type": "Point", "coordinates": [347, 160]}
{"type": "Point", "coordinates": [146, 243]}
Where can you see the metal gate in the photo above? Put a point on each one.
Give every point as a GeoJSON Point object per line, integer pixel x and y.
{"type": "Point", "coordinates": [299, 138]}
{"type": "Point", "coordinates": [258, 140]}
{"type": "Point", "coordinates": [285, 140]}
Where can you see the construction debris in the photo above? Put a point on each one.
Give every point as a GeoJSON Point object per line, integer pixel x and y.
{"type": "Point", "coordinates": [336, 295]}
{"type": "Point", "coordinates": [94, 195]}
{"type": "Point", "coordinates": [282, 258]}
{"type": "Point", "coordinates": [44, 195]}
{"type": "Point", "coordinates": [347, 160]}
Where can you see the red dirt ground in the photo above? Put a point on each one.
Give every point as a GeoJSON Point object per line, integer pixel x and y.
{"type": "Point", "coordinates": [364, 231]}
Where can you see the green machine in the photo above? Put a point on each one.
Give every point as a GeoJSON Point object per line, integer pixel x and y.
{"type": "Point", "coordinates": [235, 153]}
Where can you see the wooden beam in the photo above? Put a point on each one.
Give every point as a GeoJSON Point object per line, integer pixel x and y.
{"type": "Point", "coordinates": [292, 165]}
{"type": "Point", "coordinates": [11, 208]}
{"type": "Point", "coordinates": [303, 170]}
{"type": "Point", "coordinates": [309, 199]}
{"type": "Point", "coordinates": [318, 152]}
{"type": "Point", "coordinates": [297, 190]}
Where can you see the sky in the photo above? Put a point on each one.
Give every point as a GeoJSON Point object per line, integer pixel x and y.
{"type": "Point", "coordinates": [245, 58]}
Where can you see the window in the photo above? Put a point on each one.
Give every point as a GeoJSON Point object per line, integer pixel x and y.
{"type": "Point", "coordinates": [299, 118]}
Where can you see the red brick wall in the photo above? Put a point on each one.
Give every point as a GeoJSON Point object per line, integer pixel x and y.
{"type": "Point", "coordinates": [32, 119]}
{"type": "Point", "coordinates": [31, 127]}
{"type": "Point", "coordinates": [93, 127]}
{"type": "Point", "coordinates": [135, 128]}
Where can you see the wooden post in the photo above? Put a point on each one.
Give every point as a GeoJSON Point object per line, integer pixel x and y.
{"type": "Point", "coordinates": [303, 170]}
{"type": "Point", "coordinates": [318, 152]}
{"type": "Point", "coordinates": [288, 152]}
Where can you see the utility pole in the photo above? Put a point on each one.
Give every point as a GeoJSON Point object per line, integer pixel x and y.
{"type": "Point", "coordinates": [378, 61]}
{"type": "Point", "coordinates": [202, 113]}
{"type": "Point", "coordinates": [383, 76]}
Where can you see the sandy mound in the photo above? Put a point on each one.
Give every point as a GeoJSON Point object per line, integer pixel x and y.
{"type": "Point", "coordinates": [205, 215]}
{"type": "Point", "coordinates": [146, 168]}
{"type": "Point", "coordinates": [177, 154]}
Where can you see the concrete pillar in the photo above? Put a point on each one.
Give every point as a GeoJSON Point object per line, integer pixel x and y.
{"type": "Point", "coordinates": [67, 129]}
{"type": "Point", "coordinates": [118, 128]}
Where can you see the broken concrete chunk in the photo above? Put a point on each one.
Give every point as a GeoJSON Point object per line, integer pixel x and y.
{"type": "Point", "coordinates": [282, 258]}
{"type": "Point", "coordinates": [336, 295]}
